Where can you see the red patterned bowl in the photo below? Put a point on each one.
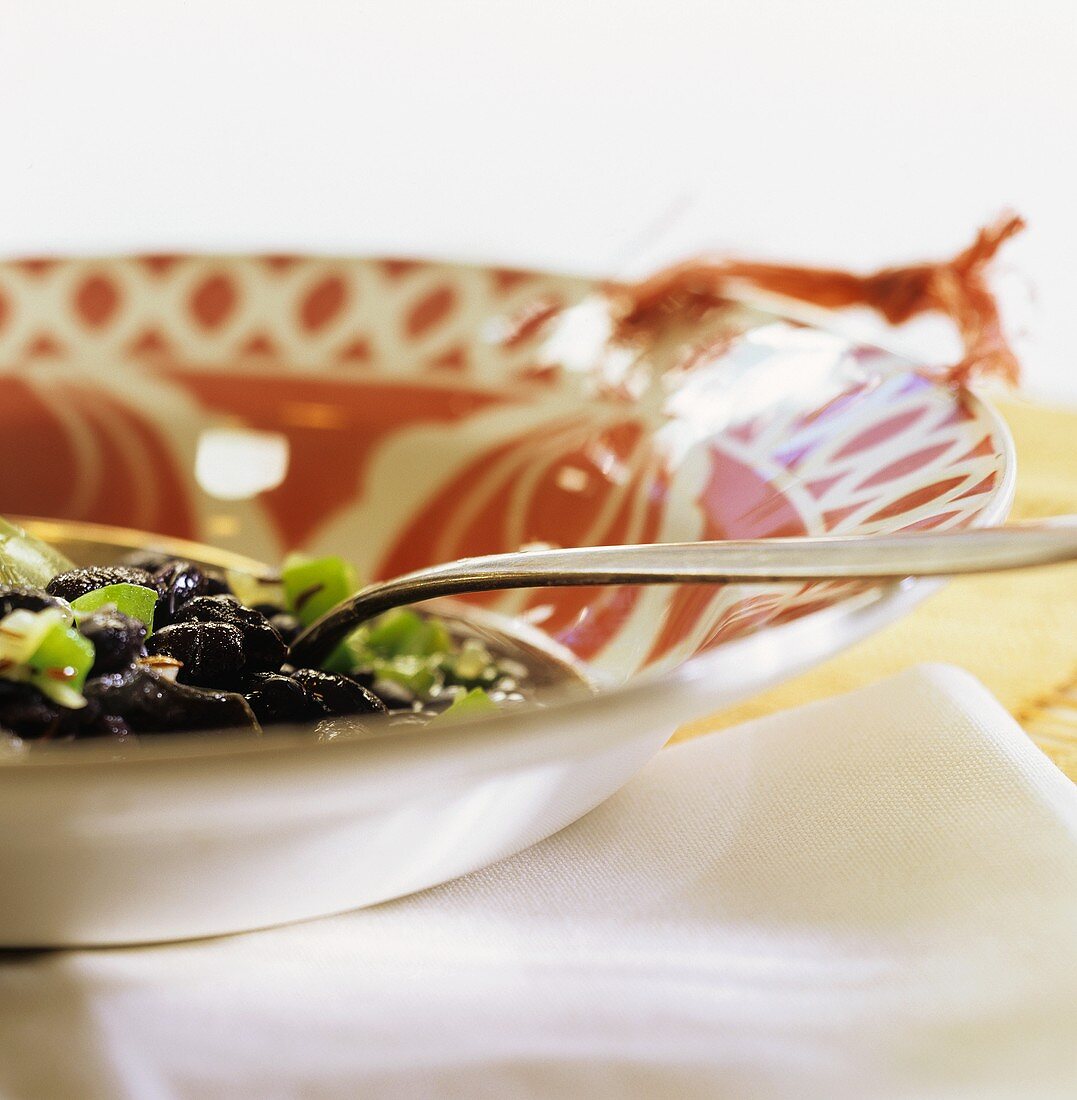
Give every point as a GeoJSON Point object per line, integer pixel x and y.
{"type": "Point", "coordinates": [404, 413]}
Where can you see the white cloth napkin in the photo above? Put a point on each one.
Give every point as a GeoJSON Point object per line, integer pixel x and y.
{"type": "Point", "coordinates": [874, 896]}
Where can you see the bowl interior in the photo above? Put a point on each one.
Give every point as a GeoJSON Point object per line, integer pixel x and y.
{"type": "Point", "coordinates": [405, 413]}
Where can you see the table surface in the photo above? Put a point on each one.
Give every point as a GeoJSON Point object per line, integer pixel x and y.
{"type": "Point", "coordinates": [601, 137]}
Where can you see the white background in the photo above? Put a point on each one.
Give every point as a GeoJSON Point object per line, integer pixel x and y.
{"type": "Point", "coordinates": [603, 136]}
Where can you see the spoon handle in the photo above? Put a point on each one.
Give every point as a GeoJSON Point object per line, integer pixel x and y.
{"type": "Point", "coordinates": [880, 557]}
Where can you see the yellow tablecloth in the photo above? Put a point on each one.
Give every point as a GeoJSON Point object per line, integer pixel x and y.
{"type": "Point", "coordinates": [1017, 632]}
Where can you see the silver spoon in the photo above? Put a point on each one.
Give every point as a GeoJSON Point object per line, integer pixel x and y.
{"type": "Point", "coordinates": [879, 557]}
{"type": "Point", "coordinates": [846, 557]}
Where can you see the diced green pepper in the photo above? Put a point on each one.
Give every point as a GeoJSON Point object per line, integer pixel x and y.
{"type": "Point", "coordinates": [45, 650]}
{"type": "Point", "coordinates": [416, 651]}
{"type": "Point", "coordinates": [26, 560]}
{"type": "Point", "coordinates": [474, 703]}
{"type": "Point", "coordinates": [472, 664]}
{"type": "Point", "coordinates": [438, 640]}
{"type": "Point", "coordinates": [343, 659]}
{"type": "Point", "coordinates": [414, 673]}
{"type": "Point", "coordinates": [404, 633]}
{"type": "Point", "coordinates": [314, 585]}
{"type": "Point", "coordinates": [132, 600]}
{"type": "Point", "coordinates": [22, 631]}
{"type": "Point", "coordinates": [393, 632]}
{"type": "Point", "coordinates": [64, 655]}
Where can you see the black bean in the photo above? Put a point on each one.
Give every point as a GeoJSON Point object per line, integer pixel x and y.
{"type": "Point", "coordinates": [212, 609]}
{"type": "Point", "coordinates": [151, 703]}
{"type": "Point", "coordinates": [276, 698]}
{"type": "Point", "coordinates": [395, 696]}
{"type": "Point", "coordinates": [150, 560]}
{"type": "Point", "coordinates": [262, 646]}
{"type": "Point", "coordinates": [153, 561]}
{"type": "Point", "coordinates": [287, 626]}
{"type": "Point", "coordinates": [77, 582]}
{"type": "Point", "coordinates": [14, 597]}
{"type": "Point", "coordinates": [212, 653]}
{"type": "Point", "coordinates": [117, 640]}
{"type": "Point", "coordinates": [216, 582]}
{"type": "Point", "coordinates": [25, 711]}
{"type": "Point", "coordinates": [108, 725]}
{"type": "Point", "coordinates": [178, 582]}
{"type": "Point", "coordinates": [339, 694]}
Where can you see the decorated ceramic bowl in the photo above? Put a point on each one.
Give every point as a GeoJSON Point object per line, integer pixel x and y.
{"type": "Point", "coordinates": [404, 413]}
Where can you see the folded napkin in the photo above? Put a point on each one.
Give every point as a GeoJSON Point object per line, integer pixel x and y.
{"type": "Point", "coordinates": [871, 896]}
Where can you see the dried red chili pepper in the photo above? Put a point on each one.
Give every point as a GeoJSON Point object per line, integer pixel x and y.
{"type": "Point", "coordinates": [956, 288]}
